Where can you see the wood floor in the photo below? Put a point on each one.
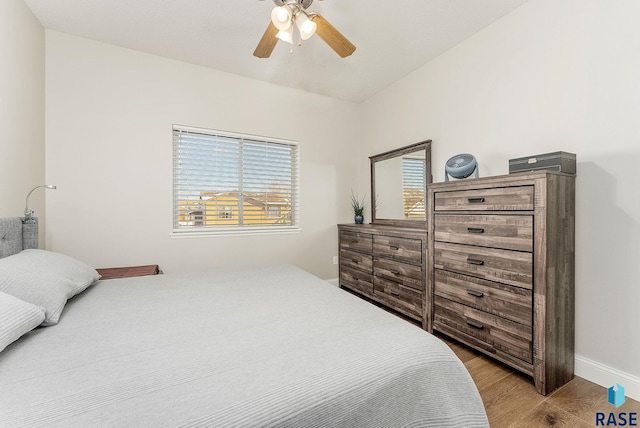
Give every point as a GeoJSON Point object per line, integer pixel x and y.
{"type": "Point", "coordinates": [511, 400]}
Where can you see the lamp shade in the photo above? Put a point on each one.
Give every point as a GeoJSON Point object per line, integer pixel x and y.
{"type": "Point", "coordinates": [281, 17]}
{"type": "Point", "coordinates": [306, 26]}
{"type": "Point", "coordinates": [286, 35]}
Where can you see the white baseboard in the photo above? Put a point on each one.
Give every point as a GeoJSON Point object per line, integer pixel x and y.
{"type": "Point", "coordinates": [334, 281]}
{"type": "Point", "coordinates": [607, 376]}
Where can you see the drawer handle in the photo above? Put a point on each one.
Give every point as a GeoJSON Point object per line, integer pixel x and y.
{"type": "Point", "coordinates": [475, 324]}
{"type": "Point", "coordinates": [475, 293]}
{"type": "Point", "coordinates": [475, 230]}
{"type": "Point", "coordinates": [395, 272]}
{"type": "Point", "coordinates": [475, 262]}
{"type": "Point", "coordinates": [354, 241]}
{"type": "Point", "coordinates": [355, 261]}
{"type": "Point", "coordinates": [393, 247]}
{"type": "Point", "coordinates": [475, 200]}
{"type": "Point", "coordinates": [395, 293]}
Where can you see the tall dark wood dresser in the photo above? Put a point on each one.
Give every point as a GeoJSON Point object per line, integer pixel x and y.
{"type": "Point", "coordinates": [502, 269]}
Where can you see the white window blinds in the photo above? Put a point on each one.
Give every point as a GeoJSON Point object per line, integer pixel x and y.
{"type": "Point", "coordinates": [229, 183]}
{"type": "Point", "coordinates": [414, 182]}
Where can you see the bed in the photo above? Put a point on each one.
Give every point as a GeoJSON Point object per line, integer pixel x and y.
{"type": "Point", "coordinates": [269, 346]}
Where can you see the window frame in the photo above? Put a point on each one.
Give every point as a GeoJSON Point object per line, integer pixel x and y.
{"type": "Point", "coordinates": [191, 231]}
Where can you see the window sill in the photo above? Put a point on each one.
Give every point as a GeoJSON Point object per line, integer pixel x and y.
{"type": "Point", "coordinates": [207, 233]}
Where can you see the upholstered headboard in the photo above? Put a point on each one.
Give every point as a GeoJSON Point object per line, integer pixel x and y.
{"type": "Point", "coordinates": [16, 235]}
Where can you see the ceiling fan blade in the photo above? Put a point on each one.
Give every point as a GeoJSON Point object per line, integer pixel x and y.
{"type": "Point", "coordinates": [332, 37]}
{"type": "Point", "coordinates": [267, 42]}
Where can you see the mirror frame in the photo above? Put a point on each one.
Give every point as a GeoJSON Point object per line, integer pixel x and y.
{"type": "Point", "coordinates": [423, 145]}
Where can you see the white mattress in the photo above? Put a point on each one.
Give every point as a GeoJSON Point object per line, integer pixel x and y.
{"type": "Point", "coordinates": [272, 346]}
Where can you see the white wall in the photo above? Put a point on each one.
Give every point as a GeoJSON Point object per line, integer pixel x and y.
{"type": "Point", "coordinates": [21, 109]}
{"type": "Point", "coordinates": [552, 75]}
{"type": "Point", "coordinates": [109, 149]}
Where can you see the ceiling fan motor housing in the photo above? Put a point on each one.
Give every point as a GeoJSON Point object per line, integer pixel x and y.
{"type": "Point", "coordinates": [303, 3]}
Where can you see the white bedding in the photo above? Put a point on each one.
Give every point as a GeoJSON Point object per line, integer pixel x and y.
{"type": "Point", "coordinates": [272, 346]}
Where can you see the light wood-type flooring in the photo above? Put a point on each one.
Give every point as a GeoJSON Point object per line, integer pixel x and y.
{"type": "Point", "coordinates": [511, 400]}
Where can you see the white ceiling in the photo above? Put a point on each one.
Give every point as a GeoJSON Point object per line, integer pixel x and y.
{"type": "Point", "coordinates": [393, 38]}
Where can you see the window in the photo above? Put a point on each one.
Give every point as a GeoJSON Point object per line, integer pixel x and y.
{"type": "Point", "coordinates": [413, 185]}
{"type": "Point", "coordinates": [233, 183]}
{"type": "Point", "coordinates": [273, 212]}
{"type": "Point", "coordinates": [225, 212]}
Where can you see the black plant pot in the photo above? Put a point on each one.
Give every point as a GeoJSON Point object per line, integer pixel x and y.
{"type": "Point", "coordinates": [359, 219]}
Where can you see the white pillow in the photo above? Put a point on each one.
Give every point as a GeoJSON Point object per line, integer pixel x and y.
{"type": "Point", "coordinates": [17, 318]}
{"type": "Point", "coordinates": [45, 279]}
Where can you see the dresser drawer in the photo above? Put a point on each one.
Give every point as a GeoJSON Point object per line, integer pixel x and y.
{"type": "Point", "coordinates": [404, 249]}
{"type": "Point", "coordinates": [500, 334]}
{"type": "Point", "coordinates": [356, 260]}
{"type": "Point", "coordinates": [403, 299]}
{"type": "Point", "coordinates": [406, 274]}
{"type": "Point", "coordinates": [356, 241]}
{"type": "Point", "coordinates": [509, 267]}
{"type": "Point", "coordinates": [506, 301]}
{"type": "Point", "coordinates": [518, 198]}
{"type": "Point", "coordinates": [356, 280]}
{"type": "Point", "coordinates": [511, 232]}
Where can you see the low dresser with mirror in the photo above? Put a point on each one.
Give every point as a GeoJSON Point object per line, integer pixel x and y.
{"type": "Point", "coordinates": [386, 261]}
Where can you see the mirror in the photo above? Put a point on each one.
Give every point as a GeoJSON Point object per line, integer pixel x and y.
{"type": "Point", "coordinates": [399, 185]}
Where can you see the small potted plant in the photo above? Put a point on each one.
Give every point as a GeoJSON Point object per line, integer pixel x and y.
{"type": "Point", "coordinates": [358, 208]}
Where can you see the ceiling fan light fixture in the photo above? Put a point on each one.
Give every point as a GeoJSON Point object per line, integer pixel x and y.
{"type": "Point", "coordinates": [281, 17]}
{"type": "Point", "coordinates": [309, 23]}
{"type": "Point", "coordinates": [286, 35]}
{"type": "Point", "coordinates": [306, 26]}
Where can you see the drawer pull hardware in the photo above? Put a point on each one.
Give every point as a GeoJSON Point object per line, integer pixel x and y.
{"type": "Point", "coordinates": [475, 262]}
{"type": "Point", "coordinates": [354, 241]}
{"type": "Point", "coordinates": [395, 272]}
{"type": "Point", "coordinates": [395, 293]}
{"type": "Point", "coordinates": [475, 230]}
{"type": "Point", "coordinates": [475, 324]}
{"type": "Point", "coordinates": [355, 261]}
{"type": "Point", "coordinates": [475, 200]}
{"type": "Point", "coordinates": [475, 293]}
{"type": "Point", "coordinates": [393, 247]}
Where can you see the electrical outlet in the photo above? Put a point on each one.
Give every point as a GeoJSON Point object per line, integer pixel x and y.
{"type": "Point", "coordinates": [335, 260]}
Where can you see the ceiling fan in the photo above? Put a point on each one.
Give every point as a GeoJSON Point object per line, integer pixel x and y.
{"type": "Point", "coordinates": [293, 13]}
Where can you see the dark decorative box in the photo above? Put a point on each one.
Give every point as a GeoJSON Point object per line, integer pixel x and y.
{"type": "Point", "coordinates": [556, 161]}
